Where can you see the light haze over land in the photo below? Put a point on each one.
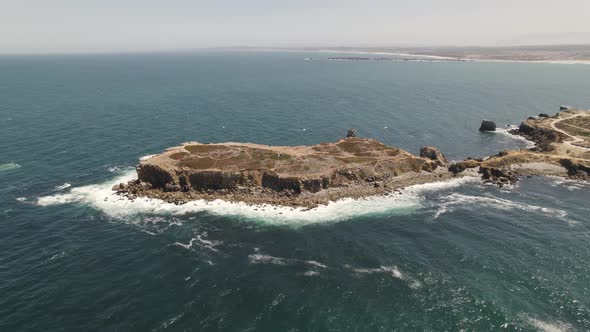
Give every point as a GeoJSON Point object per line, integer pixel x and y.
{"type": "Point", "coordinates": [35, 26]}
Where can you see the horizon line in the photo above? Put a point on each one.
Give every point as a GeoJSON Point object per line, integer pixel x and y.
{"type": "Point", "coordinates": [279, 48]}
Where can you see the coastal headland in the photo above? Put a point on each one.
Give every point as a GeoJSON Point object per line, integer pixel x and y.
{"type": "Point", "coordinates": [352, 167]}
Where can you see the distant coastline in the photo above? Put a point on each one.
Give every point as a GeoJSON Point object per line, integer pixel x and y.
{"type": "Point", "coordinates": [459, 59]}
{"type": "Point", "coordinates": [551, 54]}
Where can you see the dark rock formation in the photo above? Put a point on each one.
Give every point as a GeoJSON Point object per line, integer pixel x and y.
{"type": "Point", "coordinates": [544, 115]}
{"type": "Point", "coordinates": [487, 125]}
{"type": "Point", "coordinates": [541, 135]}
{"type": "Point", "coordinates": [497, 175]}
{"type": "Point", "coordinates": [351, 133]}
{"type": "Point", "coordinates": [574, 169]}
{"type": "Point", "coordinates": [463, 165]}
{"type": "Point", "coordinates": [433, 153]}
{"type": "Point", "coordinates": [215, 180]}
{"type": "Point", "coordinates": [277, 183]}
{"type": "Point", "coordinates": [154, 174]}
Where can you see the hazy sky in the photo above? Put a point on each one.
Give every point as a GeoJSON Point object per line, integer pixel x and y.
{"type": "Point", "coordinates": [126, 25]}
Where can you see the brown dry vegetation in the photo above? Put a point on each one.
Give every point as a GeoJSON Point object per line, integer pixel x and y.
{"type": "Point", "coordinates": [286, 160]}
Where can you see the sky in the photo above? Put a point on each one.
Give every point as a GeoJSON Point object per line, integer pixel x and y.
{"type": "Point", "coordinates": [45, 26]}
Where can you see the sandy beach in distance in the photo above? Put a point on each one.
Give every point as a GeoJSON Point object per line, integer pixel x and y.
{"type": "Point", "coordinates": [436, 57]}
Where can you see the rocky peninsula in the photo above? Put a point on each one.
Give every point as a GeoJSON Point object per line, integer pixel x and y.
{"type": "Point", "coordinates": [352, 167]}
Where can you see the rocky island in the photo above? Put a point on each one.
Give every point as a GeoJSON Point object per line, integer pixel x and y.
{"type": "Point", "coordinates": [352, 167]}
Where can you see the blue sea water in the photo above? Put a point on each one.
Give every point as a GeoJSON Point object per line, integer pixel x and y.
{"type": "Point", "coordinates": [454, 256]}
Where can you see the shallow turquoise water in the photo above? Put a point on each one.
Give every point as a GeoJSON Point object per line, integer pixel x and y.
{"type": "Point", "coordinates": [462, 255]}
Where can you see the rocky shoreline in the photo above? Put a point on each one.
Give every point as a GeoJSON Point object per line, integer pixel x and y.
{"type": "Point", "coordinates": [352, 167]}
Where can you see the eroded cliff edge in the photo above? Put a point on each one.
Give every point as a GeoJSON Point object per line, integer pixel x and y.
{"type": "Point", "coordinates": [294, 176]}
{"type": "Point", "coordinates": [352, 167]}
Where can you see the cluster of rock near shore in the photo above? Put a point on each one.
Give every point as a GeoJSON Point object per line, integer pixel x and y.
{"type": "Point", "coordinates": [497, 168]}
{"type": "Point", "coordinates": [313, 175]}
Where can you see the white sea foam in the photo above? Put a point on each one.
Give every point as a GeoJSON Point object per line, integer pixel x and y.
{"type": "Point", "coordinates": [310, 273]}
{"type": "Point", "coordinates": [569, 184]}
{"type": "Point", "coordinates": [259, 258]}
{"type": "Point", "coordinates": [391, 270]}
{"type": "Point", "coordinates": [209, 244]}
{"type": "Point", "coordinates": [185, 246]}
{"type": "Point", "coordinates": [267, 259]}
{"type": "Point", "coordinates": [21, 199]}
{"type": "Point", "coordinates": [316, 263]}
{"type": "Point", "coordinates": [114, 169]}
{"type": "Point", "coordinates": [56, 256]}
{"type": "Point", "coordinates": [456, 199]}
{"type": "Point", "coordinates": [172, 320]}
{"type": "Point", "coordinates": [9, 166]}
{"type": "Point", "coordinates": [546, 326]}
{"type": "Point", "coordinates": [103, 198]}
{"type": "Point", "coordinates": [63, 186]}
{"type": "Point", "coordinates": [506, 131]}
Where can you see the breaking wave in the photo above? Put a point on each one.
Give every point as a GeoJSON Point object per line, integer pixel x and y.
{"type": "Point", "coordinates": [455, 199]}
{"type": "Point", "coordinates": [103, 198]}
{"type": "Point", "coordinates": [569, 184]}
{"type": "Point", "coordinates": [63, 186]}
{"type": "Point", "coordinates": [506, 131]}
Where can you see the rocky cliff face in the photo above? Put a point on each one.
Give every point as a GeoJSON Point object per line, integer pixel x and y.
{"type": "Point", "coordinates": [230, 166]}
{"type": "Point", "coordinates": [537, 131]}
{"type": "Point", "coordinates": [434, 154]}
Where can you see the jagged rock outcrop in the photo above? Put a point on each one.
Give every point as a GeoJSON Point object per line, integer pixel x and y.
{"type": "Point", "coordinates": [463, 165]}
{"type": "Point", "coordinates": [351, 133]}
{"type": "Point", "coordinates": [497, 175]}
{"type": "Point", "coordinates": [575, 169]}
{"type": "Point", "coordinates": [543, 136]}
{"type": "Point", "coordinates": [434, 154]}
{"type": "Point", "coordinates": [487, 125]}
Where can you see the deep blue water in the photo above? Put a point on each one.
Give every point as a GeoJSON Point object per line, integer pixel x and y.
{"type": "Point", "coordinates": [455, 256]}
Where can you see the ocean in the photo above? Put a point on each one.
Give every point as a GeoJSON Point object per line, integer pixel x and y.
{"type": "Point", "coordinates": [452, 256]}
